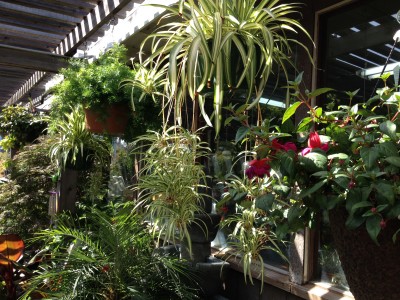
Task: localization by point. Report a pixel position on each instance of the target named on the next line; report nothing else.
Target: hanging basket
(113, 120)
(371, 270)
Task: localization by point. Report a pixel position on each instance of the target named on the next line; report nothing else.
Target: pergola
(36, 37)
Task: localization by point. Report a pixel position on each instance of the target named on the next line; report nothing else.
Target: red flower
(258, 168)
(285, 147)
(105, 268)
(314, 142)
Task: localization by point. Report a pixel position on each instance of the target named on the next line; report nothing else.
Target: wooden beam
(74, 3)
(99, 16)
(31, 59)
(26, 32)
(37, 12)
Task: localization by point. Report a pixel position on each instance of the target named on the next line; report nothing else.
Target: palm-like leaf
(227, 44)
(107, 255)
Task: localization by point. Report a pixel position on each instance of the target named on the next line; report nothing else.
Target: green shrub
(24, 199)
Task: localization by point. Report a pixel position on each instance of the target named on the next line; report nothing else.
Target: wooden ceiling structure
(37, 37)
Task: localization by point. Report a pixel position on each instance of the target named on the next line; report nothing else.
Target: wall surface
(237, 289)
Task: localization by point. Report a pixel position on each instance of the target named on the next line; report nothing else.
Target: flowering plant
(346, 157)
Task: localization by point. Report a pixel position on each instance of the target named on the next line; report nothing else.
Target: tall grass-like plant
(219, 46)
(107, 255)
(170, 181)
(75, 143)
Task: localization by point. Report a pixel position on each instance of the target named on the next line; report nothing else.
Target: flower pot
(371, 270)
(202, 233)
(113, 120)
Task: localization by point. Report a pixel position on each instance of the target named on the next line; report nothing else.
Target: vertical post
(67, 187)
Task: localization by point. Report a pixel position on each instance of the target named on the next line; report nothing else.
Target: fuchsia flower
(258, 168)
(285, 147)
(314, 142)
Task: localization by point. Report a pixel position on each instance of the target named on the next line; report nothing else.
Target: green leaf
(299, 78)
(354, 222)
(393, 160)
(305, 124)
(241, 133)
(281, 190)
(315, 161)
(313, 189)
(320, 91)
(361, 204)
(389, 128)
(265, 202)
(294, 213)
(326, 202)
(369, 156)
(287, 164)
(387, 149)
(385, 190)
(343, 156)
(240, 196)
(373, 227)
(290, 111)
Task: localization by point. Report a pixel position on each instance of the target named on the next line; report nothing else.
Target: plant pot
(371, 270)
(113, 120)
(202, 233)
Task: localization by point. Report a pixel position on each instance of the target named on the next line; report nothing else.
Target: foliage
(107, 254)
(218, 47)
(24, 198)
(74, 143)
(96, 85)
(19, 125)
(351, 161)
(170, 180)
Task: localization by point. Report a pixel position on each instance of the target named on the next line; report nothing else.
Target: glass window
(354, 45)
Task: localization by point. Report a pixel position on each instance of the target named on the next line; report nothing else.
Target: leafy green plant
(170, 179)
(98, 84)
(75, 144)
(107, 254)
(19, 126)
(222, 46)
(24, 197)
(352, 161)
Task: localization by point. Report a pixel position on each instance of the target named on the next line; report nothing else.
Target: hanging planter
(113, 120)
(367, 266)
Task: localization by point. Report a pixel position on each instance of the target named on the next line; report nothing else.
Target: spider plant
(225, 45)
(75, 143)
(248, 239)
(107, 254)
(170, 181)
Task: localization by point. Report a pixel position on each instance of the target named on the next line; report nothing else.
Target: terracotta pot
(112, 121)
(371, 270)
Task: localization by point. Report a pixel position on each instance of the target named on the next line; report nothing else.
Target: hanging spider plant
(219, 46)
(170, 181)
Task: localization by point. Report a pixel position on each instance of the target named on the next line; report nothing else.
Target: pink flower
(258, 168)
(285, 147)
(314, 142)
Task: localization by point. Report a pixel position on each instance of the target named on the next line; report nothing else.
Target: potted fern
(96, 86)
